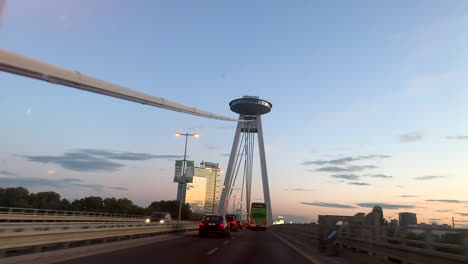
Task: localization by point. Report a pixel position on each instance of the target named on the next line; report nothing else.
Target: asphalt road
(242, 247)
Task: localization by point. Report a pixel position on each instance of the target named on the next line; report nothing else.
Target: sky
(368, 100)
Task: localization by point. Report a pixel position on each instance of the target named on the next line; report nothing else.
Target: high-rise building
(203, 192)
(407, 219)
(211, 172)
(196, 194)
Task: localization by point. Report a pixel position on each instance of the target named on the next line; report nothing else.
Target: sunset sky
(369, 100)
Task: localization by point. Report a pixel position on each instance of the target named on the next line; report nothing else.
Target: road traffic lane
(244, 246)
(257, 247)
(186, 249)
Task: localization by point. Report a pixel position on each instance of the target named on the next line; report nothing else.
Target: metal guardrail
(54, 226)
(403, 245)
(31, 214)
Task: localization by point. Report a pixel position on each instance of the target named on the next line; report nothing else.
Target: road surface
(243, 247)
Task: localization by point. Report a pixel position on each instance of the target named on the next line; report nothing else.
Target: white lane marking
(302, 253)
(225, 243)
(212, 251)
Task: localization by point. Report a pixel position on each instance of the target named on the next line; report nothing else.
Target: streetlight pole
(183, 184)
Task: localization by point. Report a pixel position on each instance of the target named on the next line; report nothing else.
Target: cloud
(7, 173)
(332, 169)
(400, 186)
(345, 160)
(408, 196)
(386, 206)
(346, 169)
(361, 167)
(119, 188)
(78, 162)
(299, 190)
(333, 205)
(463, 214)
(345, 176)
(95, 160)
(126, 155)
(410, 137)
(426, 178)
(444, 211)
(457, 137)
(55, 183)
(447, 201)
(359, 183)
(434, 219)
(380, 176)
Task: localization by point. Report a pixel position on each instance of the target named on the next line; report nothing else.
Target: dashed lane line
(212, 251)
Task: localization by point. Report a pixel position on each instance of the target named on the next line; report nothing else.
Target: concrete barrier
(19, 240)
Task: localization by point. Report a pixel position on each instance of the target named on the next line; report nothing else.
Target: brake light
(240, 224)
(265, 223)
(221, 225)
(251, 221)
(233, 222)
(202, 224)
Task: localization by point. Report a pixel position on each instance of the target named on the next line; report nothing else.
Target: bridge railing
(400, 245)
(57, 226)
(32, 214)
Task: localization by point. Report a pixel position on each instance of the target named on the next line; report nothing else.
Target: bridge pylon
(250, 110)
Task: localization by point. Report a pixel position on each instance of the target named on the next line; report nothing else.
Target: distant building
(196, 194)
(211, 172)
(434, 225)
(375, 218)
(407, 219)
(394, 222)
(203, 193)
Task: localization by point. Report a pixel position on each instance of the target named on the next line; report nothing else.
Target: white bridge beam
(28, 67)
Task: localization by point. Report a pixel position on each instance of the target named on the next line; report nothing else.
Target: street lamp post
(183, 183)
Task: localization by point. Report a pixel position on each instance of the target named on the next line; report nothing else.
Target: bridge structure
(250, 110)
(37, 233)
(249, 122)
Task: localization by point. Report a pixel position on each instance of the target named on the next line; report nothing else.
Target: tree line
(20, 197)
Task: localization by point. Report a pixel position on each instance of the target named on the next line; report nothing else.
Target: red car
(232, 222)
(214, 224)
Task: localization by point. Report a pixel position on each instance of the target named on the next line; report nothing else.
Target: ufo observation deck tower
(250, 110)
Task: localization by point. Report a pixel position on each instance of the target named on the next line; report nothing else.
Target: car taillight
(240, 224)
(265, 223)
(202, 224)
(233, 222)
(251, 221)
(221, 225)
